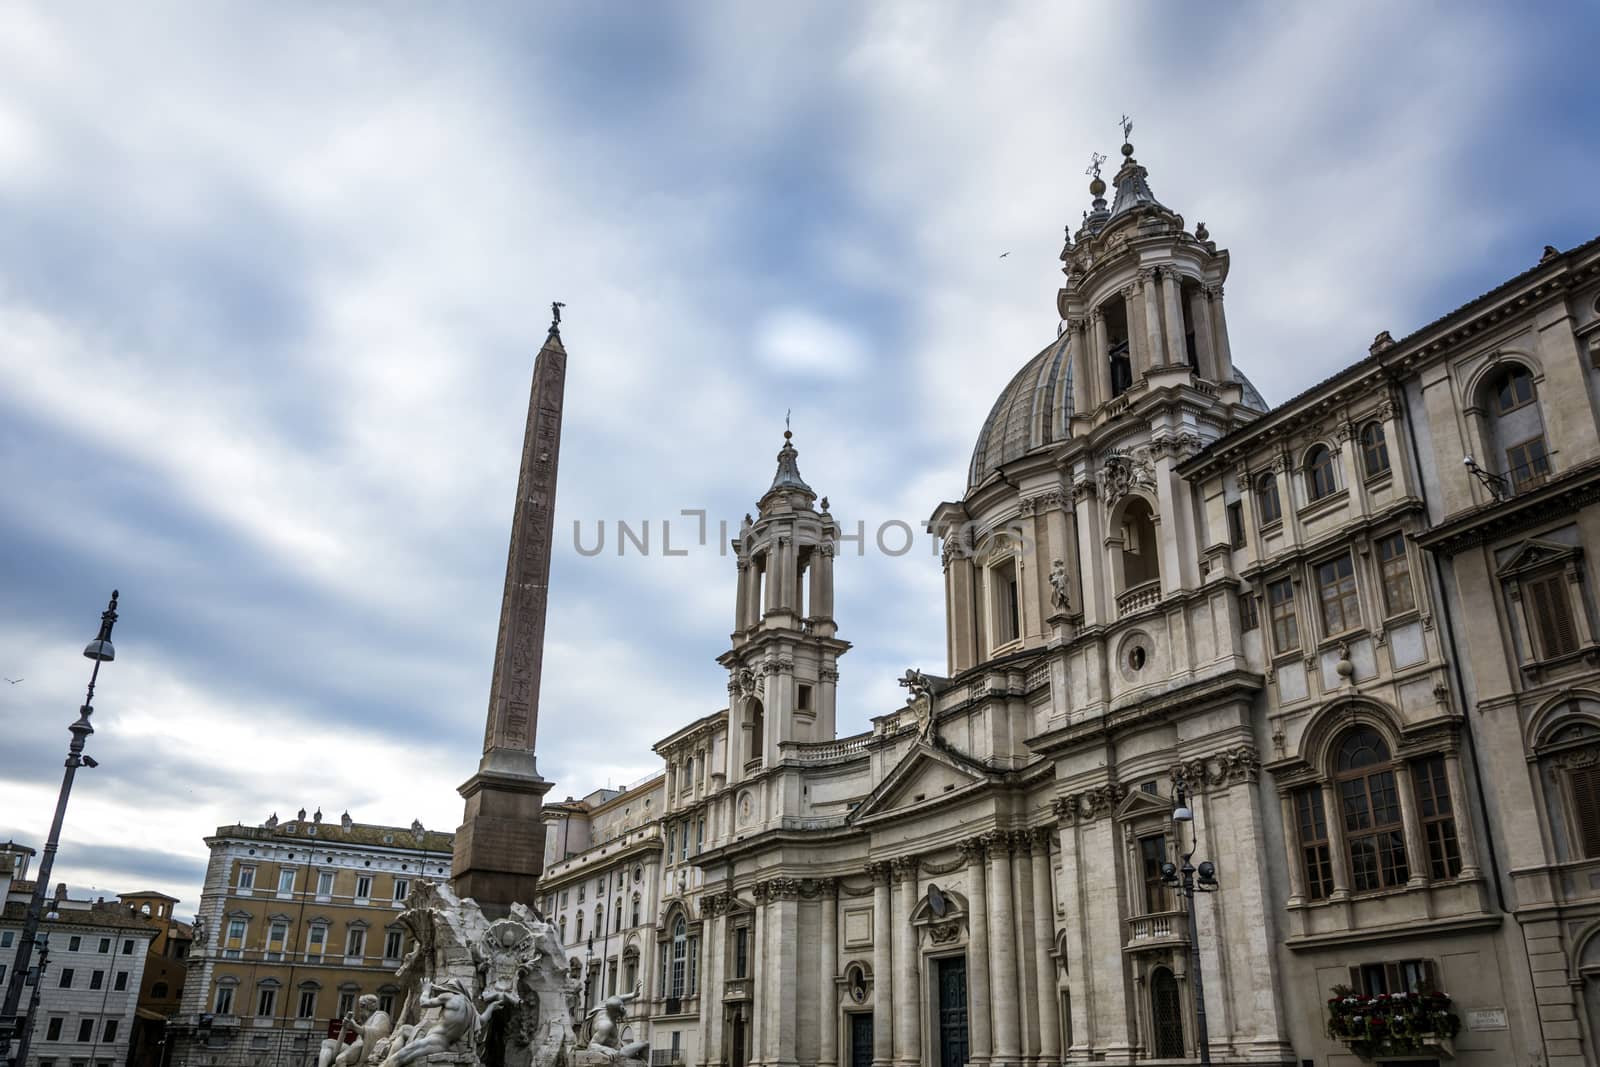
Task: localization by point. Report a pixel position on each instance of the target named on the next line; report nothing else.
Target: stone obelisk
(499, 848)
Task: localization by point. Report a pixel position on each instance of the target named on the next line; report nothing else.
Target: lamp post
(100, 651)
(1189, 880)
(33, 998)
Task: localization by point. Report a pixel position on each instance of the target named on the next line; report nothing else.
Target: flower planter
(1394, 1024)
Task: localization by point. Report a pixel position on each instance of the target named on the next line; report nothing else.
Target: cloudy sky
(272, 277)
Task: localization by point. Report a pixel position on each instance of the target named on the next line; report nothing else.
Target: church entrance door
(861, 1039)
(952, 978)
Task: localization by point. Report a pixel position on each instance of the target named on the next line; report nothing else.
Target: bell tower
(783, 666)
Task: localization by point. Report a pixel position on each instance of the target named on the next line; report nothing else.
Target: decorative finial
(555, 315)
(1201, 233)
(787, 434)
(1127, 127)
(1097, 187)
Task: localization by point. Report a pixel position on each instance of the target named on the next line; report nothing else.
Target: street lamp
(100, 651)
(1189, 880)
(33, 998)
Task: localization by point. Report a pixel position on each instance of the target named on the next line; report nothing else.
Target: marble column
(783, 924)
(907, 983)
(979, 997)
(772, 569)
(758, 967)
(1101, 357)
(1082, 379)
(1219, 335)
(1463, 815)
(741, 598)
(1177, 349)
(1200, 315)
(1150, 281)
(882, 968)
(827, 976)
(1044, 935)
(1022, 937)
(1291, 836)
(712, 946)
(1336, 849)
(1002, 954)
(1416, 849)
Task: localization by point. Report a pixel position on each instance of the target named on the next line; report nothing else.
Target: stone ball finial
(1127, 149)
(1380, 342)
(1097, 188)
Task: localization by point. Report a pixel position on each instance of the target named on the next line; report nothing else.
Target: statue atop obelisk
(499, 848)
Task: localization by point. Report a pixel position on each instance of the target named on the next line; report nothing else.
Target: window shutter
(1553, 615)
(1585, 782)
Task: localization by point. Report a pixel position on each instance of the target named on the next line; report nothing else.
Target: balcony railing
(1143, 595)
(666, 1057)
(1158, 929)
(823, 751)
(752, 765)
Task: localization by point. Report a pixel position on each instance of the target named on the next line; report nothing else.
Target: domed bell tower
(1143, 298)
(783, 667)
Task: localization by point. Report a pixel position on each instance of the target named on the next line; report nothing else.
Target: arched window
(757, 736)
(1268, 506)
(680, 956)
(1374, 450)
(578, 928)
(1319, 473)
(1140, 549)
(1369, 799)
(562, 925)
(1515, 429)
(1166, 1014)
(616, 917)
(599, 921)
(636, 919)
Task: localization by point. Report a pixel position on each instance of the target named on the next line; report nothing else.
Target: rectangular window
(1527, 464)
(741, 952)
(355, 942)
(308, 1003)
(318, 942)
(1249, 613)
(1152, 854)
(684, 855)
(105, 944)
(121, 982)
(1585, 785)
(109, 1032)
(402, 888)
(1005, 602)
(85, 1029)
(1374, 834)
(386, 1003)
(393, 942)
(1395, 567)
(97, 979)
(225, 1000)
(286, 880)
(6, 936)
(127, 947)
(52, 1032)
(563, 898)
(1336, 586)
(1550, 614)
(74, 943)
(1399, 976)
(66, 978)
(805, 698)
(1316, 861)
(1280, 605)
(1236, 524)
(347, 1003)
(247, 877)
(324, 883)
(266, 1001)
(363, 889)
(1438, 817)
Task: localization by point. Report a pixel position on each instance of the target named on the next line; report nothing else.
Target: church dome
(1035, 408)
(1032, 412)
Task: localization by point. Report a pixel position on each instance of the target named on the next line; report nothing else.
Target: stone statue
(370, 1025)
(605, 1030)
(1060, 586)
(198, 931)
(458, 1017)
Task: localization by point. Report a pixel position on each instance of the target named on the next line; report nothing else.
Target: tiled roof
(16, 912)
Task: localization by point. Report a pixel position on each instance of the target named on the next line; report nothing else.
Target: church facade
(1358, 630)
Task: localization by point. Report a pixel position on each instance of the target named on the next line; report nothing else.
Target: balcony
(751, 766)
(1144, 595)
(1162, 929)
(666, 1057)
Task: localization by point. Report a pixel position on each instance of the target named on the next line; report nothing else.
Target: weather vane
(1095, 161)
(786, 427)
(1127, 128)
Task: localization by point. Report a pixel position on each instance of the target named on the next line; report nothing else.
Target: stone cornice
(1559, 497)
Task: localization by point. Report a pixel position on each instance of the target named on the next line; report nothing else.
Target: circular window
(1137, 653)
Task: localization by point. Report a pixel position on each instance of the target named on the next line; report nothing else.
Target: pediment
(924, 775)
(1534, 553)
(1138, 804)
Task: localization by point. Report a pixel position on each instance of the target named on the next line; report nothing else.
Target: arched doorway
(1166, 1014)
